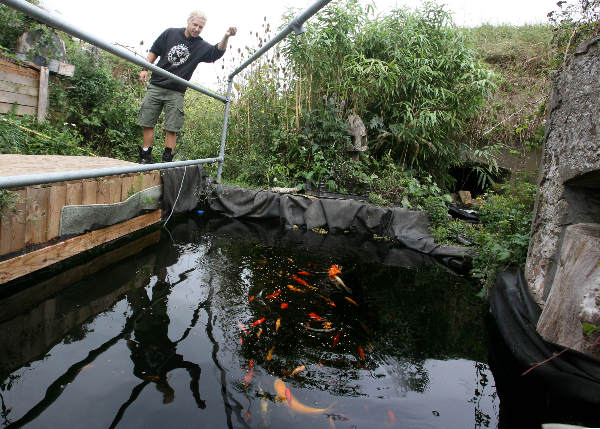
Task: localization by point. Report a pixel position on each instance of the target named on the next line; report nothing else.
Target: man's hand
(143, 76)
(231, 31)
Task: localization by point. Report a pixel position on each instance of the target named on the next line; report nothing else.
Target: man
(180, 50)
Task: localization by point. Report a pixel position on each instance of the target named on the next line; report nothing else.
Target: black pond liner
(565, 389)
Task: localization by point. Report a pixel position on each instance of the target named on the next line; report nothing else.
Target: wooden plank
(37, 215)
(90, 189)
(57, 199)
(115, 189)
(19, 89)
(20, 99)
(42, 102)
(21, 110)
(17, 78)
(12, 226)
(74, 193)
(103, 192)
(33, 261)
(14, 304)
(127, 188)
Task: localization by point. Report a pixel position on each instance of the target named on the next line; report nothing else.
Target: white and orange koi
(286, 396)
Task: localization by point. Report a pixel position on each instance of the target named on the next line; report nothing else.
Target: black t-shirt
(180, 55)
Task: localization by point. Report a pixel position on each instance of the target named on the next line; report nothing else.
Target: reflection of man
(180, 51)
(153, 353)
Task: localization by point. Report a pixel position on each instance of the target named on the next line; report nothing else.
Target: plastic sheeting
(566, 388)
(186, 188)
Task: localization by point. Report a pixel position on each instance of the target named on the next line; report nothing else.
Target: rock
(465, 197)
(575, 293)
(569, 180)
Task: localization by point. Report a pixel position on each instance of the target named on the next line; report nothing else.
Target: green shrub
(504, 238)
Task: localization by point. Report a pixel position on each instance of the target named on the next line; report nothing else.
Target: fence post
(42, 106)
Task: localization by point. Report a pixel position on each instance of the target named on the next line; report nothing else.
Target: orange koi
(327, 326)
(367, 330)
(284, 305)
(315, 316)
(274, 294)
(247, 415)
(329, 301)
(299, 280)
(334, 270)
(251, 364)
(361, 352)
(351, 301)
(270, 353)
(336, 339)
(262, 261)
(295, 289)
(241, 341)
(258, 322)
(285, 394)
(290, 259)
(251, 298)
(277, 324)
(305, 273)
(243, 328)
(297, 370)
(248, 377)
(259, 333)
(391, 416)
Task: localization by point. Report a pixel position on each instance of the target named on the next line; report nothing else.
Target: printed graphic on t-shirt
(178, 54)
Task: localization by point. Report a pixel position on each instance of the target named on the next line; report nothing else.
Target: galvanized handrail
(35, 12)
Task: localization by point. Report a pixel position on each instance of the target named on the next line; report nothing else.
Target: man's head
(195, 23)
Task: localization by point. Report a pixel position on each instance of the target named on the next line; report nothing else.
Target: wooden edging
(33, 261)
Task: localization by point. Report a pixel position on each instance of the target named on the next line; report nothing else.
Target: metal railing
(41, 15)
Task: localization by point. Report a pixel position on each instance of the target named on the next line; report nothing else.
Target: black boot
(145, 156)
(167, 155)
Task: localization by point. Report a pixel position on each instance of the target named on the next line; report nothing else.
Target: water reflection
(217, 313)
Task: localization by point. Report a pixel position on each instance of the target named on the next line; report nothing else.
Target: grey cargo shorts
(157, 99)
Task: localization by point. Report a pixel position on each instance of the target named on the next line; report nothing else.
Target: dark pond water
(223, 324)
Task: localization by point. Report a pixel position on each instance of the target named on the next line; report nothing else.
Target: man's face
(195, 26)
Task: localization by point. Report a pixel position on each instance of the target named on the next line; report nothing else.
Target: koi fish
(243, 328)
(361, 352)
(251, 298)
(248, 377)
(284, 305)
(251, 364)
(339, 282)
(315, 316)
(152, 377)
(258, 322)
(259, 333)
(329, 301)
(247, 415)
(299, 280)
(290, 259)
(270, 353)
(336, 339)
(367, 330)
(327, 326)
(297, 370)
(295, 289)
(351, 301)
(305, 273)
(391, 416)
(241, 341)
(262, 261)
(286, 395)
(274, 294)
(277, 324)
(334, 270)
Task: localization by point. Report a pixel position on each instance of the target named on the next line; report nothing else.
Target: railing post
(224, 134)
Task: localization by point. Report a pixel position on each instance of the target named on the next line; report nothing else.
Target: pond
(229, 324)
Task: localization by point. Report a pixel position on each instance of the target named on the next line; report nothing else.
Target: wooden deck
(31, 216)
